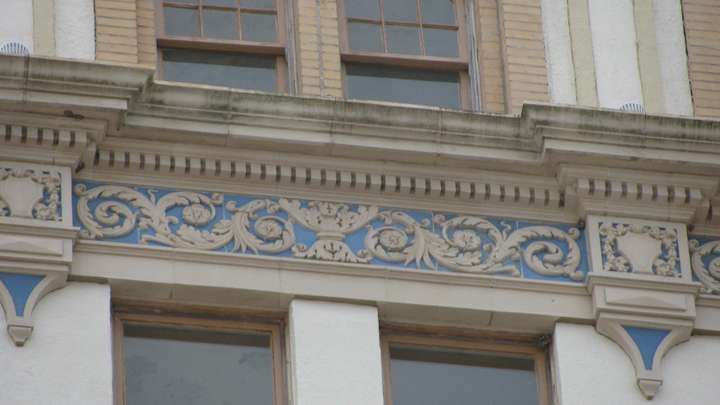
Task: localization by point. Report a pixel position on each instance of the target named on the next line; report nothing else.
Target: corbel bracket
(642, 290)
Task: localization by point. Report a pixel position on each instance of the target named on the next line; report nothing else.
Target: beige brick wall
(523, 48)
(702, 29)
(125, 31)
(318, 48)
(490, 56)
(116, 31)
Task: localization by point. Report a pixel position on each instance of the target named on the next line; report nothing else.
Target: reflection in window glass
(384, 83)
(404, 40)
(441, 42)
(220, 24)
(220, 69)
(258, 27)
(186, 366)
(181, 22)
(365, 37)
(438, 11)
(399, 10)
(431, 376)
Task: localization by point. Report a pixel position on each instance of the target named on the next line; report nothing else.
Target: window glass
(438, 11)
(258, 27)
(431, 376)
(399, 10)
(181, 22)
(220, 24)
(441, 42)
(414, 86)
(368, 9)
(403, 40)
(190, 366)
(226, 3)
(365, 37)
(244, 71)
(257, 4)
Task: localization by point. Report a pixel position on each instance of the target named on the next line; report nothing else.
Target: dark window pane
(424, 376)
(181, 22)
(226, 3)
(441, 42)
(258, 27)
(257, 4)
(399, 10)
(369, 9)
(220, 24)
(365, 37)
(182, 1)
(220, 69)
(376, 82)
(403, 39)
(184, 367)
(438, 11)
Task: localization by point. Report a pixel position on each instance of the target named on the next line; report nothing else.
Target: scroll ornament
(708, 274)
(29, 193)
(262, 226)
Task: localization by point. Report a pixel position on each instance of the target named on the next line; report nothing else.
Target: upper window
(187, 360)
(408, 51)
(236, 43)
(430, 371)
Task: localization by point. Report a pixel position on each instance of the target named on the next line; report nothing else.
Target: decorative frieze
(329, 231)
(27, 193)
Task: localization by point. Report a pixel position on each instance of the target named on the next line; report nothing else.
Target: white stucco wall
(16, 22)
(334, 354)
(612, 24)
(672, 56)
(75, 29)
(592, 370)
(68, 359)
(558, 48)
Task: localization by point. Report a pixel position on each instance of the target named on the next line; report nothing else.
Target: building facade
(359, 202)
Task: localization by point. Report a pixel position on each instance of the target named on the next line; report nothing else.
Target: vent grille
(14, 48)
(633, 107)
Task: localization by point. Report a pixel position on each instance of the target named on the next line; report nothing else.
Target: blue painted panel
(647, 340)
(20, 287)
(466, 244)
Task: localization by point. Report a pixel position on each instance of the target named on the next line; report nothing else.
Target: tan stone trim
(648, 60)
(703, 44)
(116, 31)
(582, 50)
(490, 57)
(318, 48)
(44, 27)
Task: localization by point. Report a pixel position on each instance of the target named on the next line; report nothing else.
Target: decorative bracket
(642, 290)
(36, 238)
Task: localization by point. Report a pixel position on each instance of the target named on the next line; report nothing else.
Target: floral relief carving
(474, 245)
(190, 220)
(705, 263)
(639, 248)
(28, 193)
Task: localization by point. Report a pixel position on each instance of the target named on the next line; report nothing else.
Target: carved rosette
(705, 264)
(30, 193)
(189, 220)
(639, 248)
(474, 245)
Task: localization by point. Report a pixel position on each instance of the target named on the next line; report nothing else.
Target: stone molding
(642, 290)
(36, 239)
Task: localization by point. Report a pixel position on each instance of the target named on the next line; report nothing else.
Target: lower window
(184, 360)
(423, 370)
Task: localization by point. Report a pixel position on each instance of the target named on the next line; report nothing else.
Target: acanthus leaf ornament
(708, 275)
(474, 245)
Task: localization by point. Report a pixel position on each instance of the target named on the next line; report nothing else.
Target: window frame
(493, 343)
(239, 46)
(210, 319)
(461, 64)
